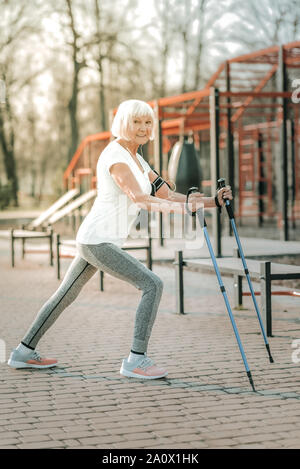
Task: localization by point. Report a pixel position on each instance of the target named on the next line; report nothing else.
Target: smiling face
(140, 129)
(134, 122)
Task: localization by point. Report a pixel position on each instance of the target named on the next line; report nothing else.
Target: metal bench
(264, 271)
(23, 235)
(53, 216)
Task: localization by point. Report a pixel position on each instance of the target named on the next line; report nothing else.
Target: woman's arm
(165, 192)
(125, 179)
(209, 202)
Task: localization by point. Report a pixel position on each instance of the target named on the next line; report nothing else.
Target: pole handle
(221, 184)
(189, 192)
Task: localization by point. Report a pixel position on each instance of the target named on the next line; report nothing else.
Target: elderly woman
(125, 183)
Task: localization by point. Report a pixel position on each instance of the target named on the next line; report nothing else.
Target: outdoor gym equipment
(221, 183)
(203, 225)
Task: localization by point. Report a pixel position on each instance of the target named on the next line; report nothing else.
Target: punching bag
(184, 168)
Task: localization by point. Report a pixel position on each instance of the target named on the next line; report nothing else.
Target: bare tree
(78, 64)
(33, 163)
(164, 12)
(7, 140)
(199, 32)
(100, 59)
(256, 25)
(202, 25)
(184, 30)
(189, 33)
(16, 26)
(113, 53)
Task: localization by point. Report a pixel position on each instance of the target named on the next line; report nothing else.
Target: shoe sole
(14, 364)
(130, 374)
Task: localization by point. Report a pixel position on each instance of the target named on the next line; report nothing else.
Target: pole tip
(269, 353)
(251, 380)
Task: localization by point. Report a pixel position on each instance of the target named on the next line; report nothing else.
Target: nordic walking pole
(203, 225)
(221, 183)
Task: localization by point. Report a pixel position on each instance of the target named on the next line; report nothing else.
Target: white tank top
(113, 212)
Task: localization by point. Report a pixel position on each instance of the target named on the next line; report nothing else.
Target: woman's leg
(117, 262)
(77, 275)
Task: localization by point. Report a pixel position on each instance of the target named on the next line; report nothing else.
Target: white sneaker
(144, 368)
(33, 360)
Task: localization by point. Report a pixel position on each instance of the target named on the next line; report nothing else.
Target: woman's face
(140, 129)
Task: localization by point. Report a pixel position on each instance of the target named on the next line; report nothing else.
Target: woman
(124, 186)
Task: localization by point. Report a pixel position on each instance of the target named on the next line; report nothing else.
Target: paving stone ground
(205, 401)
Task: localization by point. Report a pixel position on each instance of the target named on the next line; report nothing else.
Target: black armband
(157, 183)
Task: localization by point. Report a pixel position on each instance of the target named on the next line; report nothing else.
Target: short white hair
(127, 110)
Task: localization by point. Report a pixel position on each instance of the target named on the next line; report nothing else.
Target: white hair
(127, 110)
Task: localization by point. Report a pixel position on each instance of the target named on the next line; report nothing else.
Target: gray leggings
(117, 262)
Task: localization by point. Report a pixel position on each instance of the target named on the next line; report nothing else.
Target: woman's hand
(196, 201)
(196, 197)
(224, 193)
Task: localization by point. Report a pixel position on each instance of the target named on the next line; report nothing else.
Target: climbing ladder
(255, 171)
(296, 166)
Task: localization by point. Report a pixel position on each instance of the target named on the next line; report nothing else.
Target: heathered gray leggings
(117, 262)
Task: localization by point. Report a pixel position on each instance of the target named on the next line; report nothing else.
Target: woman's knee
(157, 282)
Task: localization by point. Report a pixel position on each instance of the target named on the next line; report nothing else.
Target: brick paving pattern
(206, 400)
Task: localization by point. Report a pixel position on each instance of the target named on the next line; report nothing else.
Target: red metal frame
(278, 293)
(296, 204)
(189, 113)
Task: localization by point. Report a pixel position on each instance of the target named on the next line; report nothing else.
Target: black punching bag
(188, 168)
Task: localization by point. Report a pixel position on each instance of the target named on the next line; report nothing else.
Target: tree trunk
(73, 101)
(102, 95)
(33, 179)
(73, 114)
(197, 77)
(43, 171)
(7, 145)
(185, 62)
(101, 71)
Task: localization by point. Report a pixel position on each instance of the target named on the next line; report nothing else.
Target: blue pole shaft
(231, 216)
(225, 298)
(249, 280)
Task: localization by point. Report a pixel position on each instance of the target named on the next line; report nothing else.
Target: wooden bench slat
(30, 234)
(127, 245)
(235, 266)
(284, 269)
(227, 265)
